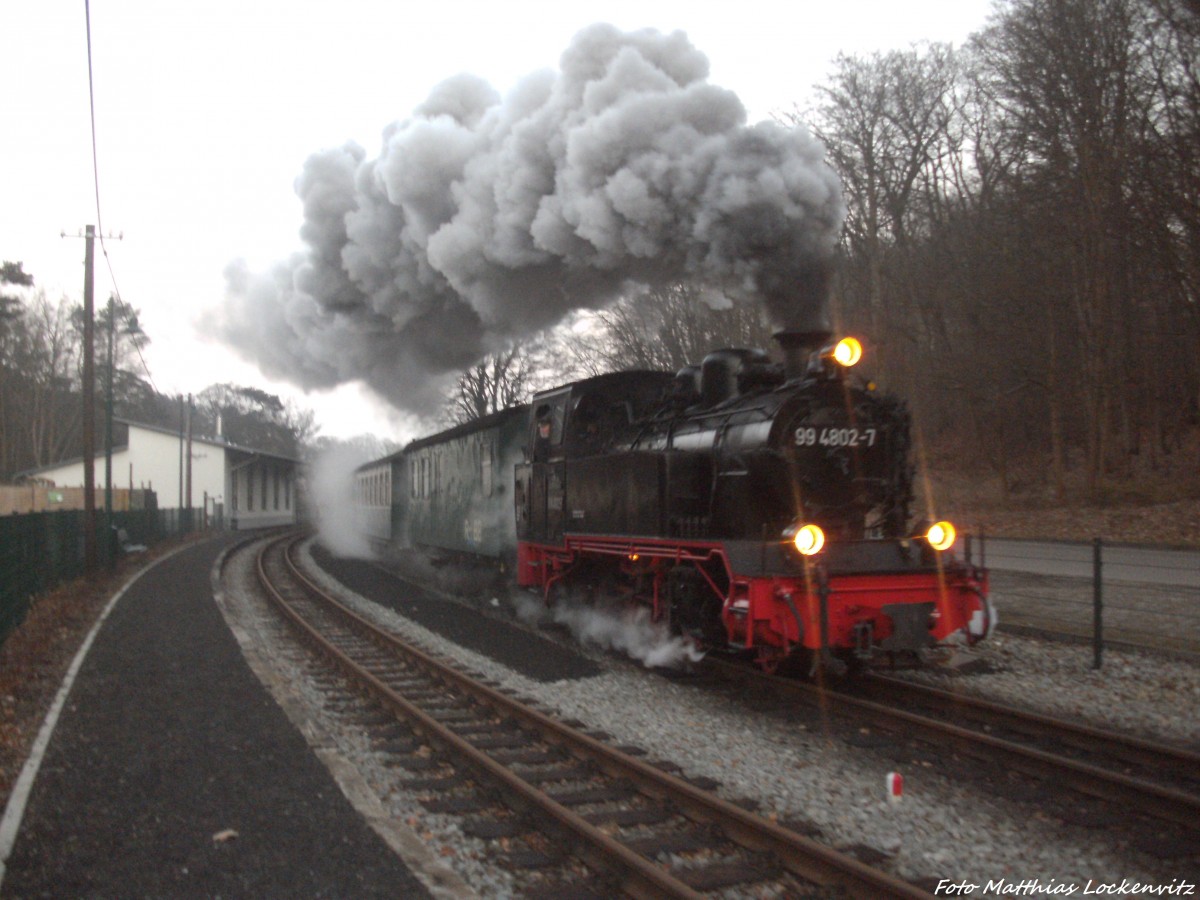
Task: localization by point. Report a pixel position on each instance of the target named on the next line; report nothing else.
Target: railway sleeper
(469, 803)
(573, 889)
(398, 744)
(688, 840)
(492, 829)
(613, 793)
(491, 726)
(626, 818)
(561, 772)
(529, 756)
(447, 714)
(419, 763)
(435, 784)
(502, 741)
(728, 874)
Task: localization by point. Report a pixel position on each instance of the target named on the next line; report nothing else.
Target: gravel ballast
(942, 828)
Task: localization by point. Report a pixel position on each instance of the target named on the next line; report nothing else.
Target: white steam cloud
(612, 626)
(485, 219)
(331, 487)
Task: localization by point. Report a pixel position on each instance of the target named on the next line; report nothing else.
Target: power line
(87, 12)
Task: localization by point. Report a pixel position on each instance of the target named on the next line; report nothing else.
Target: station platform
(171, 772)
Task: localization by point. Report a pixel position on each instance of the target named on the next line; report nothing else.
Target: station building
(236, 487)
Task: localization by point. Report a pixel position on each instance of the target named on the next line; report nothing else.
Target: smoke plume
(331, 482)
(485, 219)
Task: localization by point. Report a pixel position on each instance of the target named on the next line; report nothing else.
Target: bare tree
(12, 275)
(886, 122)
(1072, 77)
(496, 382)
(53, 412)
(256, 418)
(666, 329)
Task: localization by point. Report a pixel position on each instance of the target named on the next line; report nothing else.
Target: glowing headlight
(847, 352)
(941, 536)
(808, 539)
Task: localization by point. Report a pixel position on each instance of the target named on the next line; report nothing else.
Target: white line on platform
(15, 811)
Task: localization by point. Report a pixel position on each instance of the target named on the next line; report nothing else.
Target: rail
(642, 876)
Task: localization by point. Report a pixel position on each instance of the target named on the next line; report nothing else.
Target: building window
(249, 490)
(275, 485)
(263, 489)
(287, 490)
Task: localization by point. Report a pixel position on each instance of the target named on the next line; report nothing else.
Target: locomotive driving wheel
(693, 608)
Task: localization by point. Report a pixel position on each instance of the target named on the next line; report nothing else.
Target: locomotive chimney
(799, 305)
(798, 341)
(798, 346)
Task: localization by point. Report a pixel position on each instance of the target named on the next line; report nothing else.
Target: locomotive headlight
(847, 352)
(941, 536)
(807, 539)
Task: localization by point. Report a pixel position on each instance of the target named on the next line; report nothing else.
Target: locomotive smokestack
(797, 346)
(802, 316)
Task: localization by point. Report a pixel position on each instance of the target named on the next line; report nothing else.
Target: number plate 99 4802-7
(809, 436)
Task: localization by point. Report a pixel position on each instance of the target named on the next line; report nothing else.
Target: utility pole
(89, 404)
(88, 391)
(109, 536)
(89, 398)
(181, 424)
(189, 459)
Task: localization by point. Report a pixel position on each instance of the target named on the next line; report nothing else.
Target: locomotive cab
(578, 442)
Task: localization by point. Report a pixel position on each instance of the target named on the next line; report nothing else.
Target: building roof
(196, 439)
(211, 441)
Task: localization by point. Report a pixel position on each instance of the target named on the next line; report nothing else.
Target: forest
(41, 378)
(1022, 246)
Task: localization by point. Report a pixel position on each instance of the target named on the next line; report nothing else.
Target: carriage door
(546, 488)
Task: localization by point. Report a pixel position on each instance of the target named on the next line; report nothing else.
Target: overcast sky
(206, 112)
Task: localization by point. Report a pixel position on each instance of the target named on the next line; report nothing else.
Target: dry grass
(1152, 502)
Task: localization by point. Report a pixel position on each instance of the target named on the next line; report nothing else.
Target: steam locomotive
(757, 508)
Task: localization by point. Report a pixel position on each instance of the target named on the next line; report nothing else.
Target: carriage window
(558, 409)
(548, 420)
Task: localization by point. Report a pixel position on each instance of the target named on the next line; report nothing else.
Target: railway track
(591, 817)
(1139, 781)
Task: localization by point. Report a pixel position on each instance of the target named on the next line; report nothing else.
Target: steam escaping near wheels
(485, 219)
(612, 626)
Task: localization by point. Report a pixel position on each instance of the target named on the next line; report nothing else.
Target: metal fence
(39, 551)
(1107, 594)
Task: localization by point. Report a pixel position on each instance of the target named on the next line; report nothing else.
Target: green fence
(39, 551)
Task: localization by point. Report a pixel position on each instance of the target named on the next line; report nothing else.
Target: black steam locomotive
(755, 507)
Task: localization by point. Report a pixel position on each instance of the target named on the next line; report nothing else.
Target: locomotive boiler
(755, 507)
